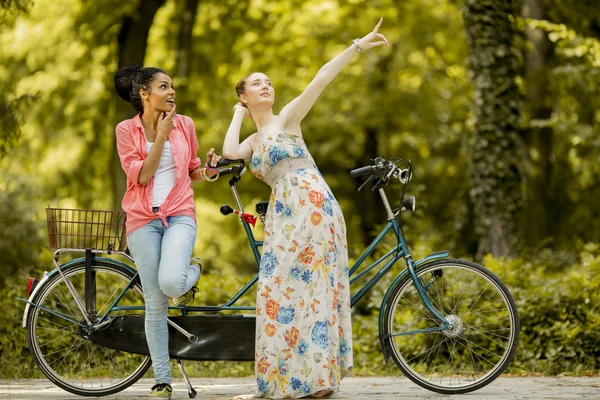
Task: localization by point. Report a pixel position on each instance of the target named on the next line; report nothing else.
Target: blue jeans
(162, 256)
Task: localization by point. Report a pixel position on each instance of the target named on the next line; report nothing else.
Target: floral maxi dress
(303, 325)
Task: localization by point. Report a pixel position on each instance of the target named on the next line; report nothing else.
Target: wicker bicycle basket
(86, 229)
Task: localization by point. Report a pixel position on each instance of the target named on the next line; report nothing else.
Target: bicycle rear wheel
(484, 335)
(59, 346)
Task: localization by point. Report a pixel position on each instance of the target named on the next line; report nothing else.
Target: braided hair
(132, 78)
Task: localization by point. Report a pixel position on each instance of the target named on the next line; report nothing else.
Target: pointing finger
(378, 25)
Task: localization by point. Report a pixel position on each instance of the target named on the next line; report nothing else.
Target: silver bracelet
(357, 47)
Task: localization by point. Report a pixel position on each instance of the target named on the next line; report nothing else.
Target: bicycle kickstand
(190, 388)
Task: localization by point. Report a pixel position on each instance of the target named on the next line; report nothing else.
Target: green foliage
(496, 148)
(559, 312)
(10, 121)
(20, 240)
(573, 89)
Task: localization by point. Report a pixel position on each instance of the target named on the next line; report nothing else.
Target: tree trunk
(496, 147)
(132, 40)
(369, 203)
(184, 41)
(539, 140)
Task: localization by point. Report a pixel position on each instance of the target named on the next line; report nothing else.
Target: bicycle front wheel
(60, 345)
(481, 342)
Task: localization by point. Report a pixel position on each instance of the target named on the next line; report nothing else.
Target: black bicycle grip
(224, 162)
(224, 171)
(362, 171)
(226, 209)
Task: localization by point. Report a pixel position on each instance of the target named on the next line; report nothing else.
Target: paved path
(381, 388)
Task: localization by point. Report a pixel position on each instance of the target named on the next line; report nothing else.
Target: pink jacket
(137, 202)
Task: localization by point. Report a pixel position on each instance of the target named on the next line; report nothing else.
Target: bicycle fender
(434, 256)
(33, 293)
(431, 257)
(48, 275)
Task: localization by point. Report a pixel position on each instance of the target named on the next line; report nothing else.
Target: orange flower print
(291, 337)
(316, 198)
(321, 382)
(302, 202)
(306, 256)
(270, 329)
(316, 218)
(263, 365)
(272, 309)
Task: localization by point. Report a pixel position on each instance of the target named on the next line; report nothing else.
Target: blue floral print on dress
(319, 334)
(278, 206)
(277, 154)
(288, 212)
(299, 151)
(307, 276)
(296, 383)
(286, 315)
(302, 348)
(268, 264)
(327, 207)
(306, 388)
(256, 162)
(295, 273)
(262, 385)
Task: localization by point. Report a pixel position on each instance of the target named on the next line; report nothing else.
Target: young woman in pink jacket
(158, 150)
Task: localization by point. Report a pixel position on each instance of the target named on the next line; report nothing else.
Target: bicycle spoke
(489, 332)
(114, 294)
(60, 302)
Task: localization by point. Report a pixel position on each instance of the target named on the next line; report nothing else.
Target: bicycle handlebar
(234, 170)
(225, 162)
(382, 170)
(362, 171)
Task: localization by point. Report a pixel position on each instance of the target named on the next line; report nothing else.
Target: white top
(165, 175)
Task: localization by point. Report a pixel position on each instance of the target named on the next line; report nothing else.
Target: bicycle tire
(469, 347)
(60, 357)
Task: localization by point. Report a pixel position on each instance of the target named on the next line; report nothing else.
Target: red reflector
(31, 284)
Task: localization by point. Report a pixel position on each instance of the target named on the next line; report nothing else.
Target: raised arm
(296, 110)
(232, 148)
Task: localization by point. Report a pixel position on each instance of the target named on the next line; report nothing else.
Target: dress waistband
(285, 166)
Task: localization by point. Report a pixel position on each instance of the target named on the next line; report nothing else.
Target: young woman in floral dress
(303, 327)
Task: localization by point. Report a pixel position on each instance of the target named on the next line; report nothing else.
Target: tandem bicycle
(451, 326)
